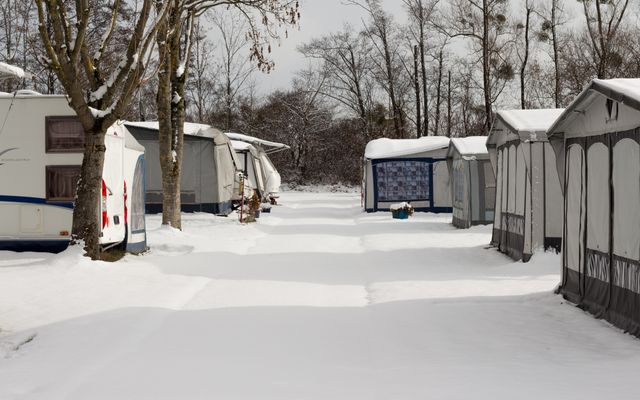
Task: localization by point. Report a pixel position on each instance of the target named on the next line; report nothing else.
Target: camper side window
(62, 182)
(64, 135)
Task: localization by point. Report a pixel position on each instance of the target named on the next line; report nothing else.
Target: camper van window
(61, 182)
(64, 135)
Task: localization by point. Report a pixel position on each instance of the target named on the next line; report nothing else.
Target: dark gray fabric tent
(597, 140)
(528, 211)
(208, 168)
(473, 183)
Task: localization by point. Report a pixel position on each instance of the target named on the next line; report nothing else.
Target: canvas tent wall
(598, 140)
(411, 170)
(41, 152)
(473, 184)
(528, 210)
(208, 168)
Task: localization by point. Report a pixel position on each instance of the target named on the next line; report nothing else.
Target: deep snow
(315, 301)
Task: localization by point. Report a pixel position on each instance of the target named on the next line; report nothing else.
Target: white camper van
(41, 151)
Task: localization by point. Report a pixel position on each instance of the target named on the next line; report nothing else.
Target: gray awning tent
(208, 168)
(528, 210)
(598, 137)
(407, 170)
(473, 184)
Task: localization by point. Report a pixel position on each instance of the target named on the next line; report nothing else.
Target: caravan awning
(190, 129)
(268, 146)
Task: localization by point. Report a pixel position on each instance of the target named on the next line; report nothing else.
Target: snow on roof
(622, 90)
(190, 128)
(471, 145)
(11, 71)
(532, 121)
(256, 141)
(629, 88)
(384, 147)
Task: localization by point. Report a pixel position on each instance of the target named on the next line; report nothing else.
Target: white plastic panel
(626, 195)
(598, 211)
(575, 203)
(511, 171)
(521, 180)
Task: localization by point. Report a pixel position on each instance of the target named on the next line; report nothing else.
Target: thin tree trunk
(523, 67)
(556, 55)
(436, 130)
(416, 83)
(449, 104)
(423, 66)
(397, 123)
(486, 68)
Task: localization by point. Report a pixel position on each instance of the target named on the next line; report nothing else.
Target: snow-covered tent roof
(190, 129)
(469, 146)
(272, 146)
(625, 91)
(528, 125)
(386, 148)
(11, 71)
(529, 121)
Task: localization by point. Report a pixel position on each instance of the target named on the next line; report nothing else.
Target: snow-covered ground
(316, 301)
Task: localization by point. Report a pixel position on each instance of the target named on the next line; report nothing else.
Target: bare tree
(201, 82)
(604, 19)
(525, 30)
(235, 71)
(380, 31)
(265, 19)
(421, 13)
(483, 23)
(77, 49)
(345, 57)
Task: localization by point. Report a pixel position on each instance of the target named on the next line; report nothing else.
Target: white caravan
(270, 175)
(41, 151)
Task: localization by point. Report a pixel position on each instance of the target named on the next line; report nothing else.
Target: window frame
(48, 184)
(47, 134)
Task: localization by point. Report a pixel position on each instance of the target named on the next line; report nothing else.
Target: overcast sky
(320, 17)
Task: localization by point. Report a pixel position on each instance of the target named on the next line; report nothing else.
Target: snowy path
(316, 301)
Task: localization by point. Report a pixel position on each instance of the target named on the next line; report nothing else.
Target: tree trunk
(397, 118)
(423, 66)
(556, 55)
(486, 68)
(449, 104)
(169, 156)
(436, 130)
(523, 68)
(86, 213)
(416, 85)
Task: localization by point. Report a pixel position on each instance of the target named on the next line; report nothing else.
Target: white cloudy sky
(321, 17)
